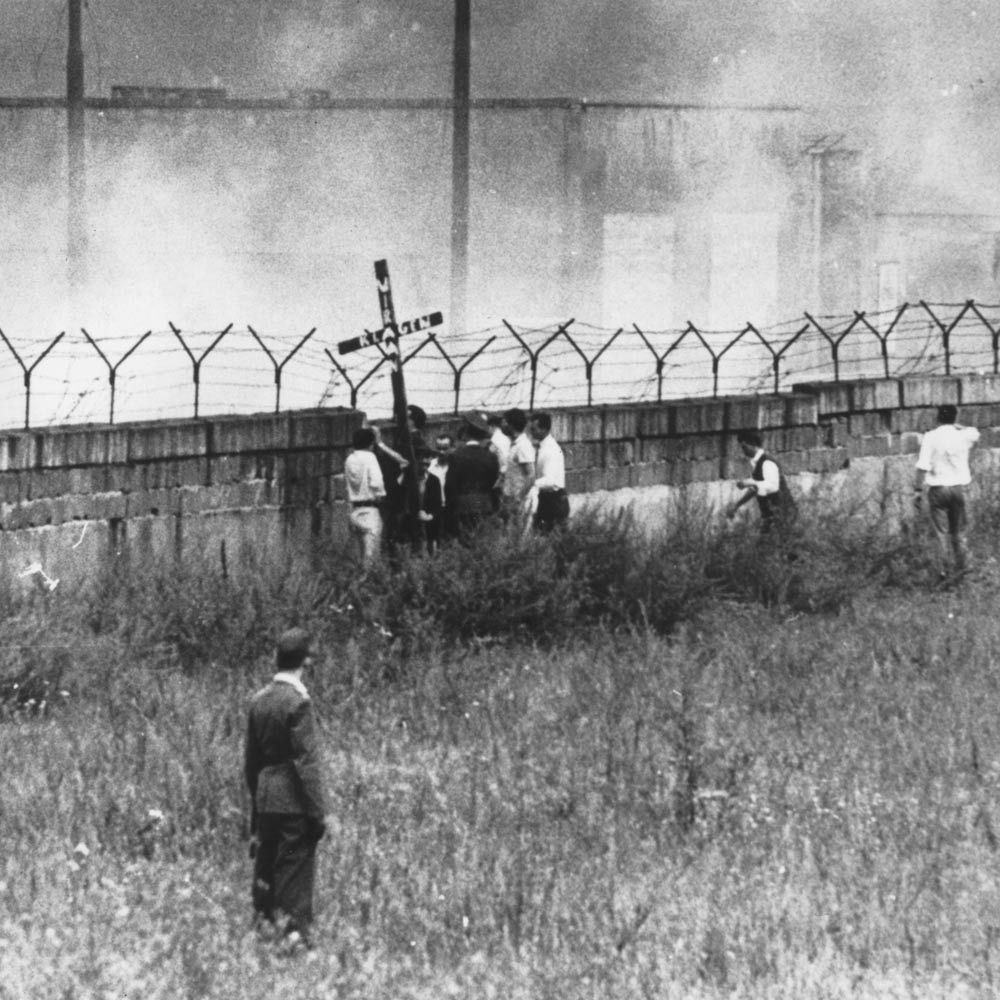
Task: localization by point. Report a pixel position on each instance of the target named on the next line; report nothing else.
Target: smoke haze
(208, 227)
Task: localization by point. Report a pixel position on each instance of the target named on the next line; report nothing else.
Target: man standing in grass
(943, 466)
(282, 768)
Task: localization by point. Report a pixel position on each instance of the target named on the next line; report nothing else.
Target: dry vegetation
(584, 770)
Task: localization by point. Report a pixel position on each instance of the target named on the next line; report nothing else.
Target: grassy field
(765, 786)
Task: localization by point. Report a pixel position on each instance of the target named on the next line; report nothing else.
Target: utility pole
(460, 165)
(76, 236)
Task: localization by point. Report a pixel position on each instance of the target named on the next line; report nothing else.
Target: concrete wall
(252, 489)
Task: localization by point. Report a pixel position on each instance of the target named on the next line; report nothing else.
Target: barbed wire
(86, 376)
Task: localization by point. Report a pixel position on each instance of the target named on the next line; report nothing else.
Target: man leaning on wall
(943, 467)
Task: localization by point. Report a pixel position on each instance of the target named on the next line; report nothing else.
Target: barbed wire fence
(87, 377)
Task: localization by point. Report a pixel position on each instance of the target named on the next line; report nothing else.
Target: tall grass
(599, 769)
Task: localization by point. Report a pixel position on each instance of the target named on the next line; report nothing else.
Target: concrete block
(129, 478)
(680, 473)
(303, 478)
(19, 451)
(622, 422)
(801, 409)
(874, 394)
(870, 422)
(117, 440)
(909, 443)
(13, 487)
(695, 447)
(47, 483)
(648, 474)
(562, 425)
(654, 421)
(184, 439)
(654, 449)
(108, 506)
(619, 453)
(918, 420)
(588, 424)
(259, 432)
(171, 473)
(89, 479)
(586, 481)
(799, 438)
(323, 428)
(583, 454)
(755, 412)
(872, 445)
(62, 447)
(35, 513)
(795, 462)
(828, 459)
(226, 496)
(978, 389)
(616, 478)
(153, 538)
(338, 491)
(989, 437)
(928, 390)
(702, 416)
(831, 397)
(153, 502)
(979, 415)
(834, 432)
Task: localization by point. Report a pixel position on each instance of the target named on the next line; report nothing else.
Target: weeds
(581, 766)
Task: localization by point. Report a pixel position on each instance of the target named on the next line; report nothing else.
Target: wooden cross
(389, 334)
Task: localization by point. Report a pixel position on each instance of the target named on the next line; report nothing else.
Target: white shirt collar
(756, 456)
(284, 677)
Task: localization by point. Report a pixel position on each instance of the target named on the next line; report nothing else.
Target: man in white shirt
(521, 461)
(766, 484)
(500, 446)
(943, 466)
(365, 492)
(549, 489)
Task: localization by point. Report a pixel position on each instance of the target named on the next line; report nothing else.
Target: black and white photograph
(499, 500)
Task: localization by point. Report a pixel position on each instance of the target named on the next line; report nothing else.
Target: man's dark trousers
(285, 869)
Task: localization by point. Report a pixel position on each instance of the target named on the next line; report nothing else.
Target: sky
(852, 52)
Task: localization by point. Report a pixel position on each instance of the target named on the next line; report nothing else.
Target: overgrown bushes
(510, 586)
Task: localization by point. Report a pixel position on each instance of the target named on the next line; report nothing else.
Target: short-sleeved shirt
(944, 455)
(363, 477)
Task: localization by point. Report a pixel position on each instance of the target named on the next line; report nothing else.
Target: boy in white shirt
(943, 466)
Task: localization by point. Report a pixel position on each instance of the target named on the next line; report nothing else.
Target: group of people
(497, 469)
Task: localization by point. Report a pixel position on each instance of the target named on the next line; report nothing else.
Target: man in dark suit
(472, 474)
(283, 772)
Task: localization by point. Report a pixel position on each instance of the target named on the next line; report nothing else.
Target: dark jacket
(432, 503)
(775, 508)
(472, 474)
(282, 760)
